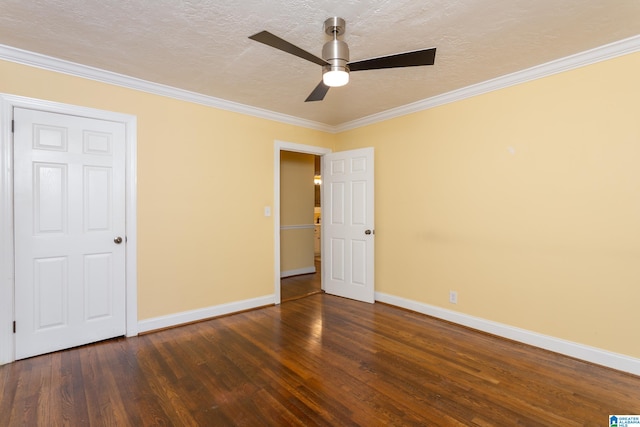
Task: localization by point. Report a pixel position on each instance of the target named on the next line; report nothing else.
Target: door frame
(280, 146)
(7, 253)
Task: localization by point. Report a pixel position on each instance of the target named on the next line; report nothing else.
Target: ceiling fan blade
(318, 93)
(407, 59)
(275, 41)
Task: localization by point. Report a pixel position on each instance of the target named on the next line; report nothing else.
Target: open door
(348, 225)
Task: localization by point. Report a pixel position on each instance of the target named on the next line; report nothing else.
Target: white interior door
(348, 225)
(69, 202)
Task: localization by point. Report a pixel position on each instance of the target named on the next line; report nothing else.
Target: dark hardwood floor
(295, 287)
(319, 360)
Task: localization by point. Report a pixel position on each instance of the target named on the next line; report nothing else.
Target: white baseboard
(568, 348)
(305, 270)
(203, 313)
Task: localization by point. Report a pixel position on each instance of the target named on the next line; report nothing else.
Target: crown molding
(609, 51)
(49, 63)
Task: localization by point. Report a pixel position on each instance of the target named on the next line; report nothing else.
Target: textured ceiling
(203, 46)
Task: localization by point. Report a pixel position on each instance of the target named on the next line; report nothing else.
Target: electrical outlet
(453, 297)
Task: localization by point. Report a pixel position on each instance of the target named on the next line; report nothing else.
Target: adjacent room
(454, 185)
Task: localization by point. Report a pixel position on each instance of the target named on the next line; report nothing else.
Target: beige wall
(204, 178)
(296, 209)
(525, 200)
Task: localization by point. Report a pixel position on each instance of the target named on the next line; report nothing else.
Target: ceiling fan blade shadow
(283, 45)
(318, 93)
(407, 59)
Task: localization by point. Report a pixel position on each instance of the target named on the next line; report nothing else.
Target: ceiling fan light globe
(335, 78)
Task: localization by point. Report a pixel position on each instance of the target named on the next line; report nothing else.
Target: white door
(69, 202)
(348, 233)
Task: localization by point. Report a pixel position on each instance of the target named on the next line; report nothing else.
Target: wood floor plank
(300, 286)
(319, 360)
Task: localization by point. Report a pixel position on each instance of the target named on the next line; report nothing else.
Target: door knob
(367, 232)
(118, 240)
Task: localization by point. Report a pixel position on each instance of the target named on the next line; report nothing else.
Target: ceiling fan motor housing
(335, 52)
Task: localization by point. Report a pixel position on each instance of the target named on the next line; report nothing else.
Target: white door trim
(278, 147)
(7, 256)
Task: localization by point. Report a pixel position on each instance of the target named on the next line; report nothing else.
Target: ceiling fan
(335, 57)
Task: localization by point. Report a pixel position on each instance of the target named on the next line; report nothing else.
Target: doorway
(313, 277)
(300, 225)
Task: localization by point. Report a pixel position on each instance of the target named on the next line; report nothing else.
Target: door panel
(50, 292)
(69, 201)
(348, 206)
(337, 257)
(50, 198)
(97, 281)
(97, 198)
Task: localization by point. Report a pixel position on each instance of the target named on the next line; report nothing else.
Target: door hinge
(14, 326)
(13, 126)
